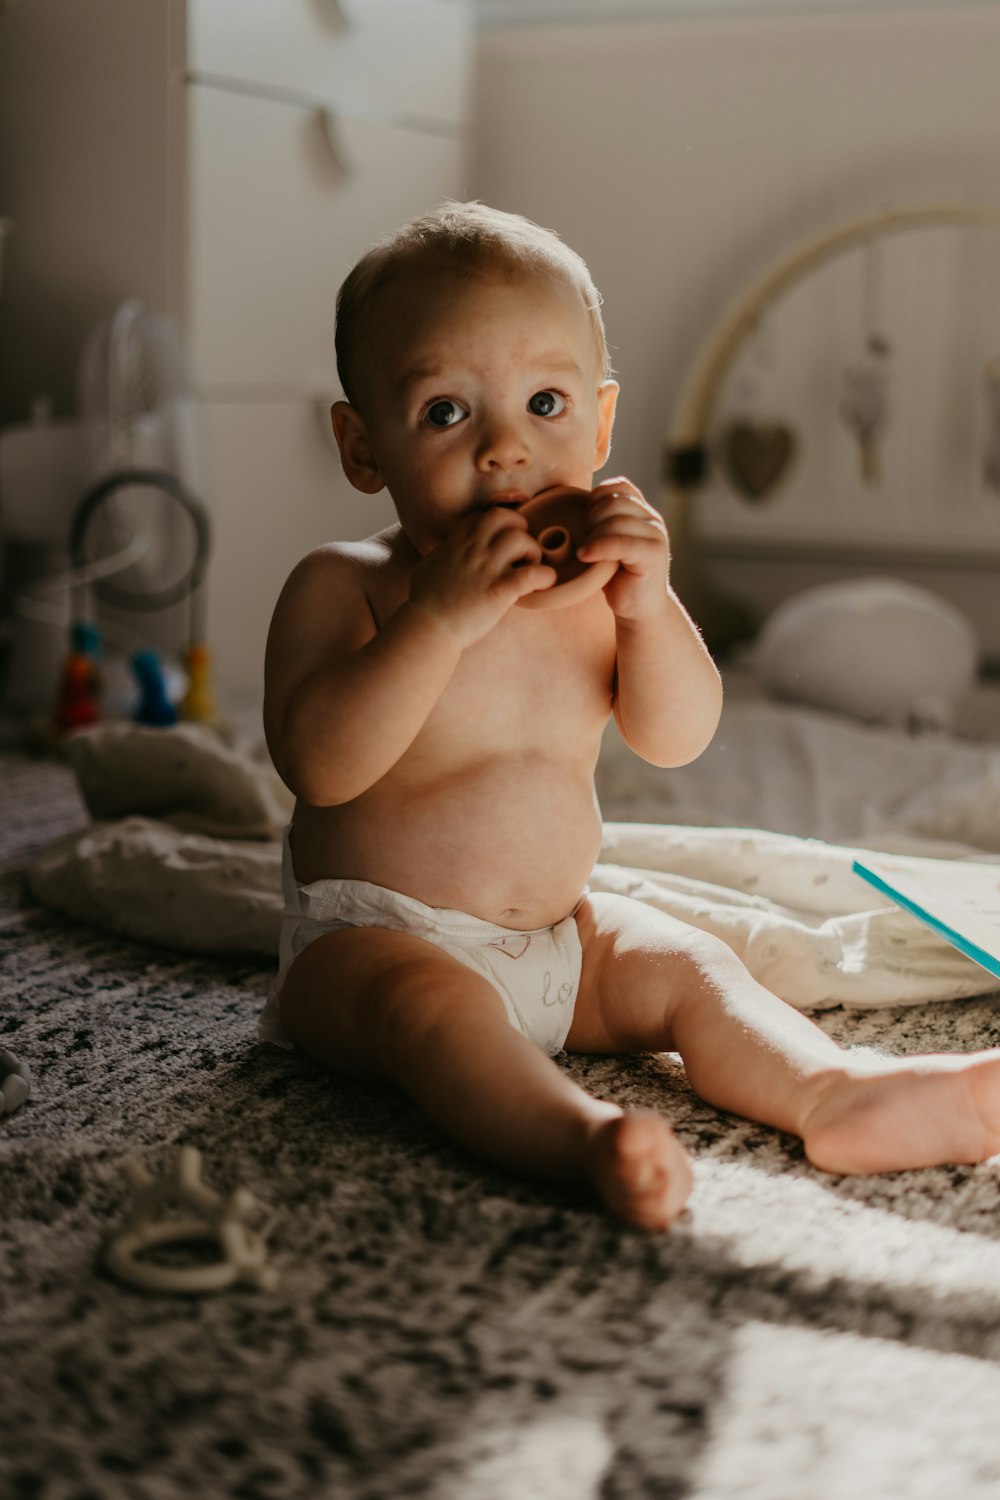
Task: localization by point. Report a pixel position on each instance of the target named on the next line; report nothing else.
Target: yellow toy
(199, 702)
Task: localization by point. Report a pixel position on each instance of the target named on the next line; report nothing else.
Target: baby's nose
(503, 446)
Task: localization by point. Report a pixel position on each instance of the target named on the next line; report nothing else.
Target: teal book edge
(972, 950)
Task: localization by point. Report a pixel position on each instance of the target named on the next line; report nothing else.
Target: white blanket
(798, 770)
(203, 875)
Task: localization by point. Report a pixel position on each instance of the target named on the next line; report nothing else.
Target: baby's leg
(652, 983)
(375, 1004)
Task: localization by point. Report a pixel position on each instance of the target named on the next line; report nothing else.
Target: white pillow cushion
(877, 648)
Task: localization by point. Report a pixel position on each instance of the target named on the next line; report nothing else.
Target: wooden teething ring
(557, 519)
(243, 1252)
(122, 1257)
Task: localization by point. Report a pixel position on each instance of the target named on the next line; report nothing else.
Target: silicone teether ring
(556, 545)
(557, 519)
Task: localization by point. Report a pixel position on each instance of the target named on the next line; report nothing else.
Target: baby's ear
(607, 400)
(356, 452)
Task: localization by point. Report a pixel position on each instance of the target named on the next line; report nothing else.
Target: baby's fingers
(624, 508)
(619, 540)
(529, 578)
(513, 547)
(620, 489)
(516, 556)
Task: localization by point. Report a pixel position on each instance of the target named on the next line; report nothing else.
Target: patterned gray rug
(439, 1329)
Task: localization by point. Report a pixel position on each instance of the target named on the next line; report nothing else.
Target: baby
(441, 743)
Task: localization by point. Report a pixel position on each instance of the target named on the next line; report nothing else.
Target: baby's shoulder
(352, 567)
(373, 552)
(335, 595)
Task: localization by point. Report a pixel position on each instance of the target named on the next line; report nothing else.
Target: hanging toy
(991, 458)
(757, 456)
(80, 682)
(198, 702)
(155, 707)
(756, 453)
(864, 405)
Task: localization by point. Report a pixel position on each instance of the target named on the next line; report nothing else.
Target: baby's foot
(915, 1112)
(640, 1169)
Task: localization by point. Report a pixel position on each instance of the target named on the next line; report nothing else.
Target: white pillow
(877, 648)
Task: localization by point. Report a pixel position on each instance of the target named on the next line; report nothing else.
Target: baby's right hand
(471, 580)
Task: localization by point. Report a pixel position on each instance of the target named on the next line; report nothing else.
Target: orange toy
(557, 519)
(78, 687)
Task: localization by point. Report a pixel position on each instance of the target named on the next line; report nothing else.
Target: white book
(959, 898)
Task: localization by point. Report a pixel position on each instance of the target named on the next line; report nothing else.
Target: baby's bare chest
(539, 681)
(531, 674)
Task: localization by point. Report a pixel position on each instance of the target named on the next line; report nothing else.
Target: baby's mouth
(512, 499)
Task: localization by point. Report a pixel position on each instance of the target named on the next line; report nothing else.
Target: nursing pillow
(876, 648)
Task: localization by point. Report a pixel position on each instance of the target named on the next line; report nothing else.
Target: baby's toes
(643, 1173)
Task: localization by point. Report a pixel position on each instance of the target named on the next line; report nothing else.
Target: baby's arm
(668, 693)
(343, 700)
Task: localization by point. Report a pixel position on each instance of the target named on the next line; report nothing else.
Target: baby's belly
(511, 844)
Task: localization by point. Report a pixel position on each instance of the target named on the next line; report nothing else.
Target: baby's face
(486, 389)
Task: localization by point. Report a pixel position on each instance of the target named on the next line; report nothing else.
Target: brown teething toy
(557, 519)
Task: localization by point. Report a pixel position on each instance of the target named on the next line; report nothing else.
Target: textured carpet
(439, 1329)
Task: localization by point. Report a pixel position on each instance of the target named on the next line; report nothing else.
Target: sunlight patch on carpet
(556, 1458)
(806, 1413)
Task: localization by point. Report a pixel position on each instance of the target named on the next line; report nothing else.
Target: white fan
(135, 400)
(145, 542)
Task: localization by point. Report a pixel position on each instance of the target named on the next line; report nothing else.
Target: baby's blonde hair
(473, 240)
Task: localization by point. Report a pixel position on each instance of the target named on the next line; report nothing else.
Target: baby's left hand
(625, 528)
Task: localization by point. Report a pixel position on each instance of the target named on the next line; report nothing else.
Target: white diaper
(536, 974)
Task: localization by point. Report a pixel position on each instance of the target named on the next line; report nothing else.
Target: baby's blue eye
(546, 404)
(445, 413)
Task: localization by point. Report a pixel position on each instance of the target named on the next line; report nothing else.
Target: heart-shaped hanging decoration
(756, 456)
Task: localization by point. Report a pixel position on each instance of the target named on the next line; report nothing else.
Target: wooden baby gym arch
(687, 459)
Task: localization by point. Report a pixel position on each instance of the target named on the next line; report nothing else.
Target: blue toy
(155, 707)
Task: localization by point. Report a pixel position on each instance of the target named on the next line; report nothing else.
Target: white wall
(89, 155)
(175, 151)
(681, 157)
